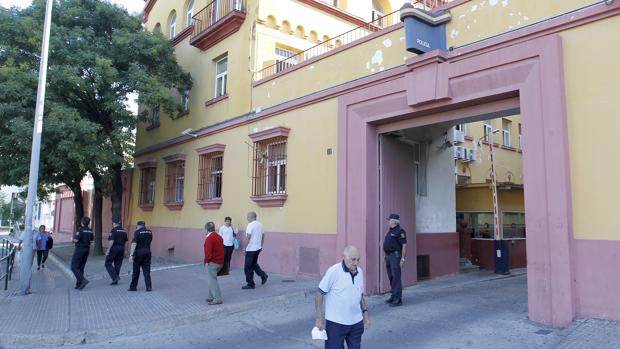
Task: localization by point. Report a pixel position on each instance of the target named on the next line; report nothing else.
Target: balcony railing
(353, 35)
(215, 15)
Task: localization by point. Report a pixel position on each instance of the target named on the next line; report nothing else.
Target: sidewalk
(56, 314)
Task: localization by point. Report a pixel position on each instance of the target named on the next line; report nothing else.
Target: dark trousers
(41, 257)
(142, 259)
(337, 334)
(78, 262)
(251, 266)
(228, 253)
(392, 263)
(115, 257)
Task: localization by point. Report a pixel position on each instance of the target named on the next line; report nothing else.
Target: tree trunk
(117, 193)
(78, 201)
(98, 213)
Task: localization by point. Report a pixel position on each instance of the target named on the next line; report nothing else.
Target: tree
(99, 54)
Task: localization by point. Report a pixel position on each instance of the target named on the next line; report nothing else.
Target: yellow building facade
(296, 101)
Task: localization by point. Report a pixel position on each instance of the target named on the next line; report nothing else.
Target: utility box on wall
(424, 31)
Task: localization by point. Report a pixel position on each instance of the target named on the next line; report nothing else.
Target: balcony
(379, 23)
(217, 21)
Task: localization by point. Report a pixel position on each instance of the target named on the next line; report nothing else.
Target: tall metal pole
(33, 181)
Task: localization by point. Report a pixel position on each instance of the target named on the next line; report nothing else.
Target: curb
(61, 266)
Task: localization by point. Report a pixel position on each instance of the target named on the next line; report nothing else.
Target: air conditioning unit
(458, 136)
(459, 153)
(470, 155)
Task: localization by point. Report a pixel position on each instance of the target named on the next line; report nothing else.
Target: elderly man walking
(395, 247)
(346, 313)
(256, 238)
(214, 260)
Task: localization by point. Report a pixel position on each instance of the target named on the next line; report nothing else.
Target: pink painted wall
(299, 254)
(443, 249)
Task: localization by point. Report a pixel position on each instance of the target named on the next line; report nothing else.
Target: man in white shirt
(346, 313)
(256, 238)
(228, 234)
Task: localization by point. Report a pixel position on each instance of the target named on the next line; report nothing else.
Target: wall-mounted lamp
(189, 132)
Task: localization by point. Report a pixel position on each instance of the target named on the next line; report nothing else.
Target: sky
(133, 6)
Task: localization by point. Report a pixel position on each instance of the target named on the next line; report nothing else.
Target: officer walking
(82, 239)
(141, 256)
(395, 247)
(116, 251)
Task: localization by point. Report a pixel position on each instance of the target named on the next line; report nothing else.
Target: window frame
(284, 58)
(189, 14)
(174, 186)
(506, 141)
(147, 185)
(172, 28)
(265, 159)
(222, 75)
(206, 160)
(487, 131)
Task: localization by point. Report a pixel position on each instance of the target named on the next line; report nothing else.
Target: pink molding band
(270, 200)
(213, 148)
(216, 99)
(175, 157)
(148, 164)
(270, 133)
(210, 204)
(174, 206)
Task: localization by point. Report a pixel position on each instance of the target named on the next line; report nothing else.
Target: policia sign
(424, 31)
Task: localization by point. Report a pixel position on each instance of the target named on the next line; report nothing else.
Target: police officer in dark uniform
(82, 239)
(116, 251)
(395, 247)
(141, 256)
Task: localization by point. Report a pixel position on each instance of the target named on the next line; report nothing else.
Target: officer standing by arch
(140, 255)
(116, 251)
(395, 248)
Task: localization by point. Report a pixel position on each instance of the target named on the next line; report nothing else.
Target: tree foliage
(99, 54)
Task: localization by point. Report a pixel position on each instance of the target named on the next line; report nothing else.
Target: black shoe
(148, 289)
(132, 289)
(83, 284)
(77, 286)
(396, 303)
(115, 282)
(248, 287)
(390, 300)
(263, 280)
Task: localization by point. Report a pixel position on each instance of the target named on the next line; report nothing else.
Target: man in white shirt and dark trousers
(346, 313)
(256, 238)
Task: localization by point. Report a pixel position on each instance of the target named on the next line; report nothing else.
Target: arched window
(189, 20)
(173, 25)
(157, 28)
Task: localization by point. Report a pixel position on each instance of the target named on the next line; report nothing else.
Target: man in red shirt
(214, 260)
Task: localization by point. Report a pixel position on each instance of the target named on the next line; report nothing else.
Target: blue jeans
(337, 334)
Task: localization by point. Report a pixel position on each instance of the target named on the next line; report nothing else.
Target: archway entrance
(437, 88)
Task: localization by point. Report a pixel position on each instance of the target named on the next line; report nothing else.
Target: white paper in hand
(318, 334)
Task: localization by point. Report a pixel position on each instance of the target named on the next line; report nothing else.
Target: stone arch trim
(440, 87)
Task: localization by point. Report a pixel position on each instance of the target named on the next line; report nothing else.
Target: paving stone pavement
(474, 310)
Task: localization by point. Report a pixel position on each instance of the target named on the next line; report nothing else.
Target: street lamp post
(33, 180)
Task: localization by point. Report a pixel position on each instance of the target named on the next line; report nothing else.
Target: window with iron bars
(285, 59)
(147, 186)
(175, 180)
(210, 173)
(269, 174)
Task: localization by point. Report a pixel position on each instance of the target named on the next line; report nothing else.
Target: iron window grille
(175, 181)
(147, 186)
(269, 170)
(210, 173)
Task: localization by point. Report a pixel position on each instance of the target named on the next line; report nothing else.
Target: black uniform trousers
(251, 266)
(392, 263)
(141, 259)
(78, 262)
(115, 257)
(42, 257)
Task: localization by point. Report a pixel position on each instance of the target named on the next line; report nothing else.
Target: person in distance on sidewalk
(256, 239)
(140, 256)
(116, 251)
(82, 239)
(214, 260)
